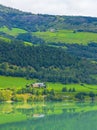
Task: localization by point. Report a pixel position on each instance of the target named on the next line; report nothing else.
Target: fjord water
(48, 116)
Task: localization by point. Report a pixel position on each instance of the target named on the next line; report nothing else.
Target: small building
(39, 85)
(52, 30)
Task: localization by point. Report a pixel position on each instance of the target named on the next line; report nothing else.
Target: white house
(39, 85)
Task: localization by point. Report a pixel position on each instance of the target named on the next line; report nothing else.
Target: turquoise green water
(48, 116)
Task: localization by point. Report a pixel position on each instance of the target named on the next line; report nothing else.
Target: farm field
(13, 82)
(17, 82)
(67, 36)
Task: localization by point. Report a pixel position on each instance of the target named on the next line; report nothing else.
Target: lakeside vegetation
(19, 90)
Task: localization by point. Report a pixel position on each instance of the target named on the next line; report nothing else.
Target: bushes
(64, 89)
(17, 98)
(5, 95)
(35, 99)
(81, 96)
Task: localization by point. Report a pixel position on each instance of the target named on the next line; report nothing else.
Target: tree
(44, 92)
(5, 95)
(64, 89)
(73, 90)
(70, 90)
(52, 92)
(80, 96)
(92, 95)
(37, 93)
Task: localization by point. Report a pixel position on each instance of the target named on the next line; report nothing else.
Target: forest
(45, 63)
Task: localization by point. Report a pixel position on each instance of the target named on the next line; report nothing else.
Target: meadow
(67, 36)
(14, 82)
(12, 31)
(57, 36)
(18, 83)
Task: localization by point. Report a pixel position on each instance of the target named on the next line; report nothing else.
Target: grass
(67, 36)
(13, 31)
(78, 87)
(28, 43)
(13, 82)
(17, 82)
(61, 36)
(5, 39)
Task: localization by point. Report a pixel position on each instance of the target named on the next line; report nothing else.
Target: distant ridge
(36, 22)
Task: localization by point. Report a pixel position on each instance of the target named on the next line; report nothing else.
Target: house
(39, 85)
(52, 30)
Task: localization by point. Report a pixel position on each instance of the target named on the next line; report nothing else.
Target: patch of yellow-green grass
(56, 86)
(14, 82)
(78, 87)
(67, 36)
(5, 39)
(28, 43)
(12, 31)
(83, 88)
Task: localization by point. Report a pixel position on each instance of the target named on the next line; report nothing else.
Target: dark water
(48, 116)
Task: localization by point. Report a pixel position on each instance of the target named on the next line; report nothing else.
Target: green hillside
(46, 63)
(67, 36)
(47, 47)
(13, 18)
(41, 29)
(12, 31)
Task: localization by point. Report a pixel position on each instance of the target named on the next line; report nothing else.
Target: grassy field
(61, 36)
(12, 32)
(78, 87)
(67, 36)
(15, 82)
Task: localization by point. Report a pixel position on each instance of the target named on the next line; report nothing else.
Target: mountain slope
(36, 22)
(45, 63)
(48, 59)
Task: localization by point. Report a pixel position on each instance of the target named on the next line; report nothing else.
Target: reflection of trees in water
(70, 110)
(35, 110)
(69, 119)
(65, 121)
(47, 109)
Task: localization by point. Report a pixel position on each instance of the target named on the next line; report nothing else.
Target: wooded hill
(25, 51)
(45, 63)
(13, 18)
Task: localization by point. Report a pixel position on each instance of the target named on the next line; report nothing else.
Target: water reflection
(48, 116)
